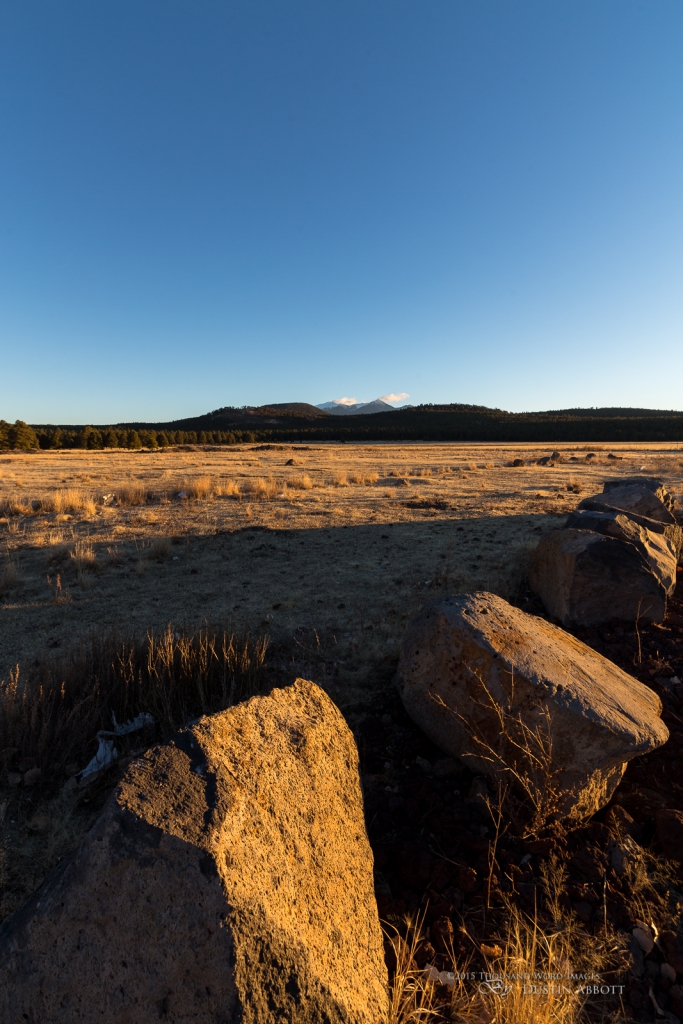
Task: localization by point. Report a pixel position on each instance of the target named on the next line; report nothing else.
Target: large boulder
(670, 529)
(657, 549)
(586, 578)
(229, 879)
(483, 679)
(643, 483)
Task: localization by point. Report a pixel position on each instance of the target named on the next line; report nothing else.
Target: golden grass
(262, 489)
(83, 555)
(300, 483)
(530, 974)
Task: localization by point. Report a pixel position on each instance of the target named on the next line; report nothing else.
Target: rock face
(642, 483)
(670, 530)
(465, 658)
(638, 499)
(229, 879)
(657, 550)
(584, 578)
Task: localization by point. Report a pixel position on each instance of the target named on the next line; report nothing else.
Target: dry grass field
(341, 543)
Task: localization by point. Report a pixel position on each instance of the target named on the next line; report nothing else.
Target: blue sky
(216, 203)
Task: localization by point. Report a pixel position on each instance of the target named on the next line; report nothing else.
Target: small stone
(668, 973)
(423, 763)
(32, 776)
(643, 936)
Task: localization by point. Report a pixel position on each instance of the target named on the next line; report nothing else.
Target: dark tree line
(300, 423)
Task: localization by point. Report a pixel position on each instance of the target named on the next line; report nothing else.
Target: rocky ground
(437, 853)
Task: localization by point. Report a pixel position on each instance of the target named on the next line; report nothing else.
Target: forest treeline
(301, 423)
(21, 435)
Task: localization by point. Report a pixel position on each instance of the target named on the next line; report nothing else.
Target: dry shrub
(574, 485)
(201, 488)
(15, 505)
(262, 489)
(83, 555)
(131, 494)
(519, 756)
(71, 499)
(366, 479)
(300, 483)
(338, 480)
(229, 488)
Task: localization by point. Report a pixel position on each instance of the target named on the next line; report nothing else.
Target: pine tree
(111, 439)
(57, 439)
(20, 435)
(133, 440)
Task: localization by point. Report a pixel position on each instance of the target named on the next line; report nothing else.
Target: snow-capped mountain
(343, 408)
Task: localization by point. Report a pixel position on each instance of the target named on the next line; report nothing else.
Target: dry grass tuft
(365, 479)
(131, 494)
(338, 480)
(300, 483)
(532, 974)
(160, 549)
(83, 555)
(262, 489)
(52, 715)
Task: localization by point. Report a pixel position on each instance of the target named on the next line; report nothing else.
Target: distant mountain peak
(349, 407)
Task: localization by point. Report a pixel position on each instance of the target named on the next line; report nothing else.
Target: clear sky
(208, 203)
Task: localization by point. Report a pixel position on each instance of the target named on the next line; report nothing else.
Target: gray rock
(229, 879)
(586, 578)
(658, 550)
(468, 659)
(633, 496)
(671, 530)
(645, 483)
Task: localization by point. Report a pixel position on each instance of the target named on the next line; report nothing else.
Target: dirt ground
(341, 542)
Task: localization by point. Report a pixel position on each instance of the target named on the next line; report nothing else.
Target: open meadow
(344, 540)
